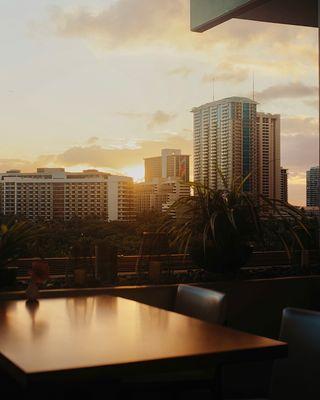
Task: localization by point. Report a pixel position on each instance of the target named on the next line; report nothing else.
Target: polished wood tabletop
(114, 334)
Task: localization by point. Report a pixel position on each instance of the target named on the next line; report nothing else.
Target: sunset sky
(104, 83)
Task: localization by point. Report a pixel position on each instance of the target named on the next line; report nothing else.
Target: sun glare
(135, 171)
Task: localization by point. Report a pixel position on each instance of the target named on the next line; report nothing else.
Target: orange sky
(105, 83)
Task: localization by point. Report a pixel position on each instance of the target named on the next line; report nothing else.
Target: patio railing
(59, 266)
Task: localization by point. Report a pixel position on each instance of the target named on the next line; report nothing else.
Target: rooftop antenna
(253, 85)
(212, 89)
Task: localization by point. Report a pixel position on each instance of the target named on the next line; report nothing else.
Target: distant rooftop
(58, 174)
(49, 170)
(232, 99)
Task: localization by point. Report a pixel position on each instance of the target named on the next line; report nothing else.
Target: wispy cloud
(299, 143)
(153, 120)
(288, 90)
(160, 118)
(132, 114)
(92, 140)
(227, 72)
(299, 125)
(314, 103)
(120, 24)
(300, 151)
(297, 178)
(15, 163)
(182, 71)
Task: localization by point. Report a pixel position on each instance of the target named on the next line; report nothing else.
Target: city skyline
(90, 94)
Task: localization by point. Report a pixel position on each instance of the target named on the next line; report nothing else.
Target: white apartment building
(231, 136)
(52, 193)
(224, 134)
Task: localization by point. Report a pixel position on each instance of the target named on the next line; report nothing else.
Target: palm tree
(15, 236)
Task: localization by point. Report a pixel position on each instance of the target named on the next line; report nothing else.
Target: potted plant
(15, 236)
(39, 274)
(219, 227)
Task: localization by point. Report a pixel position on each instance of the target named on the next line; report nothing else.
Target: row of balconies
(26, 189)
(84, 210)
(33, 196)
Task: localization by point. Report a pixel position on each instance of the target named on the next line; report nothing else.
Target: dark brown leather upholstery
(298, 376)
(197, 302)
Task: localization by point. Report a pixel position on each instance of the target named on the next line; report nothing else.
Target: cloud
(297, 188)
(132, 115)
(297, 178)
(187, 131)
(99, 156)
(299, 151)
(159, 118)
(141, 23)
(289, 90)
(153, 120)
(314, 103)
(124, 23)
(227, 72)
(111, 158)
(182, 71)
(92, 140)
(299, 143)
(7, 164)
(14, 163)
(299, 125)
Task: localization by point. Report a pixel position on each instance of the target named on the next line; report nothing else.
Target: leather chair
(205, 304)
(298, 376)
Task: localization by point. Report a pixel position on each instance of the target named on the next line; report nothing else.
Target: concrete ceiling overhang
(206, 14)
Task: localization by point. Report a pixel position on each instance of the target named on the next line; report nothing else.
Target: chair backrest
(298, 376)
(197, 302)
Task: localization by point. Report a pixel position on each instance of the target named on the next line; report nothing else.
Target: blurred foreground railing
(60, 266)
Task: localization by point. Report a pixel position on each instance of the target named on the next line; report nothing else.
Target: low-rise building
(170, 165)
(159, 196)
(53, 193)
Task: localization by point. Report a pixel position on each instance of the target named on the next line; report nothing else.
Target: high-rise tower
(313, 187)
(284, 185)
(225, 139)
(268, 156)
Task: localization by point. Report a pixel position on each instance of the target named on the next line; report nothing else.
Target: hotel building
(158, 196)
(166, 180)
(52, 193)
(170, 165)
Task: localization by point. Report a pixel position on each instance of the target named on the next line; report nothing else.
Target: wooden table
(83, 337)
